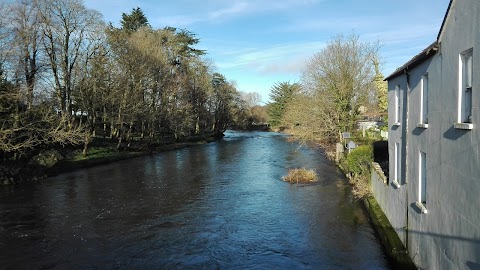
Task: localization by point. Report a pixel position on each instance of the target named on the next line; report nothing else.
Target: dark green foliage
(186, 40)
(133, 21)
(280, 94)
(359, 159)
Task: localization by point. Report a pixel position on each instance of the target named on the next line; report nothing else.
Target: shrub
(358, 165)
(359, 160)
(300, 176)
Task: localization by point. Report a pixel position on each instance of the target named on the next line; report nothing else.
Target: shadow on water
(218, 206)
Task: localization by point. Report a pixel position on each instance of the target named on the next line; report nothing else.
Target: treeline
(67, 77)
(338, 84)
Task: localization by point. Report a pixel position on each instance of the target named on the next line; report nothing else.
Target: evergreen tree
(133, 21)
(280, 94)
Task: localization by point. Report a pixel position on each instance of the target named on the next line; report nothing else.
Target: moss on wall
(393, 245)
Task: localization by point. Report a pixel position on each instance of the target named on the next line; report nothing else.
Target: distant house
(432, 198)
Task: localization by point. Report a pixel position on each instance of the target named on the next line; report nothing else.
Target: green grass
(96, 152)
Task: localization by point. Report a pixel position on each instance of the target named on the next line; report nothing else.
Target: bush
(359, 160)
(300, 176)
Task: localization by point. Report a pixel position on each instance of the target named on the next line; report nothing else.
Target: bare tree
(23, 131)
(335, 83)
(24, 21)
(65, 24)
(4, 36)
(251, 99)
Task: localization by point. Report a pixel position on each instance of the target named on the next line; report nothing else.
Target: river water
(221, 205)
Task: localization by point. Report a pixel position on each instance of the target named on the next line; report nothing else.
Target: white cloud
(268, 5)
(235, 9)
(215, 11)
(200, 15)
(405, 34)
(277, 59)
(330, 25)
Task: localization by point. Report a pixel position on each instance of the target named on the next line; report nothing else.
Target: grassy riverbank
(104, 155)
(51, 162)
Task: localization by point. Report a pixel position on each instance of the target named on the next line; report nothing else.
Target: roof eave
(415, 61)
(444, 20)
(425, 54)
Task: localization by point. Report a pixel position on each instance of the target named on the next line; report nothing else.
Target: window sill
(396, 184)
(396, 124)
(422, 207)
(422, 125)
(465, 126)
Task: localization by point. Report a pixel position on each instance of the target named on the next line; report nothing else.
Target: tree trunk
(104, 122)
(85, 144)
(129, 134)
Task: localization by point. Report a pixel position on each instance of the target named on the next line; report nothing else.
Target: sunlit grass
(300, 176)
(95, 152)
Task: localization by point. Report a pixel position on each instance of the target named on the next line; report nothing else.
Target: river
(221, 205)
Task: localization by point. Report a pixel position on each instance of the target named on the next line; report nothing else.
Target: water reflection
(217, 206)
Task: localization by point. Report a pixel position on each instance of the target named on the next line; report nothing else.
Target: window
(422, 182)
(396, 175)
(397, 105)
(465, 90)
(422, 176)
(424, 102)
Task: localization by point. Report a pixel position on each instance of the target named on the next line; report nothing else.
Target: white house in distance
(432, 198)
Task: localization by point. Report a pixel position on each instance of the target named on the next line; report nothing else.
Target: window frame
(422, 182)
(422, 176)
(424, 85)
(465, 90)
(398, 162)
(397, 106)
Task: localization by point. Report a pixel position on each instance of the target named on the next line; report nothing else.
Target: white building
(432, 198)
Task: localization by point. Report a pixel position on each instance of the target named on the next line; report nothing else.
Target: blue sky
(257, 43)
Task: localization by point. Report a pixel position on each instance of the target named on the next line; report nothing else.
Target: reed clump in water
(300, 176)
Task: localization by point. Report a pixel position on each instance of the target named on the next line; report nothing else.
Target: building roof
(426, 53)
(444, 20)
(415, 61)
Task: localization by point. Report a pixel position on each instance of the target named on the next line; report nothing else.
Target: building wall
(448, 236)
(418, 139)
(392, 198)
(392, 202)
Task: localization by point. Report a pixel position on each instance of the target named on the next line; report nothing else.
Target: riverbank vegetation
(338, 85)
(69, 80)
(300, 176)
(357, 165)
(281, 95)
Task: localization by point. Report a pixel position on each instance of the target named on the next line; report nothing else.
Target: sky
(257, 43)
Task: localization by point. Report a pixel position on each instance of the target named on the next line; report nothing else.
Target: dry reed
(300, 176)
